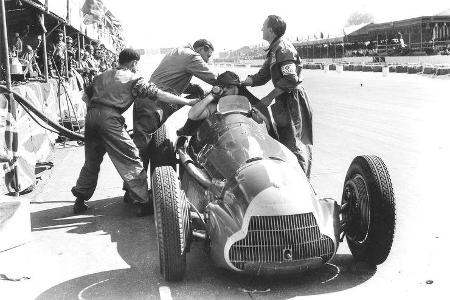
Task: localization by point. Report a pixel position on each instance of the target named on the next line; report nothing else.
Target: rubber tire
(377, 242)
(162, 150)
(171, 222)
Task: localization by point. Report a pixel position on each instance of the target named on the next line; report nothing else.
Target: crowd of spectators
(86, 61)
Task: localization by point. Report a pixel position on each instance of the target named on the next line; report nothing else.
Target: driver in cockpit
(227, 84)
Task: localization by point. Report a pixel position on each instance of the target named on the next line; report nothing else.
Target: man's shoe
(144, 209)
(79, 206)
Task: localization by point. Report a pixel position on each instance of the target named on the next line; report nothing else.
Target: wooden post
(409, 39)
(12, 102)
(5, 44)
(66, 60)
(44, 47)
(386, 45)
(343, 46)
(420, 37)
(376, 51)
(79, 48)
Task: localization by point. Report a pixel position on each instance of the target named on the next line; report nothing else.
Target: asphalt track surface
(110, 254)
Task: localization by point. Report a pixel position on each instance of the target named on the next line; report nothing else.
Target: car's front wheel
(368, 209)
(172, 223)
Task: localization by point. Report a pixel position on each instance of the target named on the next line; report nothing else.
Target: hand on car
(194, 101)
(247, 82)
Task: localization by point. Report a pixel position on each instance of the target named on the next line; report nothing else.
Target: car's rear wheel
(162, 150)
(172, 223)
(368, 209)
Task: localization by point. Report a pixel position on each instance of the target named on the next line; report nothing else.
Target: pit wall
(400, 60)
(381, 67)
(433, 65)
(32, 143)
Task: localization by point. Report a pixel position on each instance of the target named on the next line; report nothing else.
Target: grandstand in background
(420, 36)
(427, 35)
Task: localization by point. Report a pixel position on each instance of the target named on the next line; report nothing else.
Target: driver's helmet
(228, 83)
(228, 78)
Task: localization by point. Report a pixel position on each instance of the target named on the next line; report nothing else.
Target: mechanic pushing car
(292, 110)
(112, 93)
(172, 75)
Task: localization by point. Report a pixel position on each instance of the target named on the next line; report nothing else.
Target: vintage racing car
(244, 194)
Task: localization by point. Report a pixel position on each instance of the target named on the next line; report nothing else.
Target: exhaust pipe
(201, 235)
(201, 176)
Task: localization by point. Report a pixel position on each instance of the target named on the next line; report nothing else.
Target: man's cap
(228, 78)
(88, 47)
(127, 55)
(203, 43)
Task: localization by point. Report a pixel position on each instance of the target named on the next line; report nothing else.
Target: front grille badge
(287, 254)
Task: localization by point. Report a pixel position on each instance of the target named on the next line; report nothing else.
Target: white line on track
(338, 271)
(80, 294)
(164, 293)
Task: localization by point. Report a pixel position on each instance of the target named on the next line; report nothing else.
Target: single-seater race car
(245, 196)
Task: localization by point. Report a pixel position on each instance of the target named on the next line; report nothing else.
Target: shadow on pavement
(136, 244)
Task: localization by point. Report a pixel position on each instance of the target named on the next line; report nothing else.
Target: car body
(246, 196)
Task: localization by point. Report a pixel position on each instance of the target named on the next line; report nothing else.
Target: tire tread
(170, 219)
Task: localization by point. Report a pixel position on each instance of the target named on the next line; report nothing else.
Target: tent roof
(444, 13)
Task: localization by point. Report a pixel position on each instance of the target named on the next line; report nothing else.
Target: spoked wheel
(172, 223)
(162, 150)
(368, 209)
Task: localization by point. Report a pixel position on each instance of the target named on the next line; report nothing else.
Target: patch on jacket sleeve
(142, 89)
(288, 69)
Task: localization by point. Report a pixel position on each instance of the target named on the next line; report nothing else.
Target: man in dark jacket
(292, 111)
(172, 75)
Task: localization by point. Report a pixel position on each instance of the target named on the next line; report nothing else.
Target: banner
(94, 11)
(110, 18)
(24, 138)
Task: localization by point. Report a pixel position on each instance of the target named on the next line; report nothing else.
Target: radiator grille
(281, 238)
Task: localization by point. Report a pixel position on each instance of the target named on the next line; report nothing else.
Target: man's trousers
(293, 117)
(105, 133)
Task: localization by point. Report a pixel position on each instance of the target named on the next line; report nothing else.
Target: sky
(231, 24)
